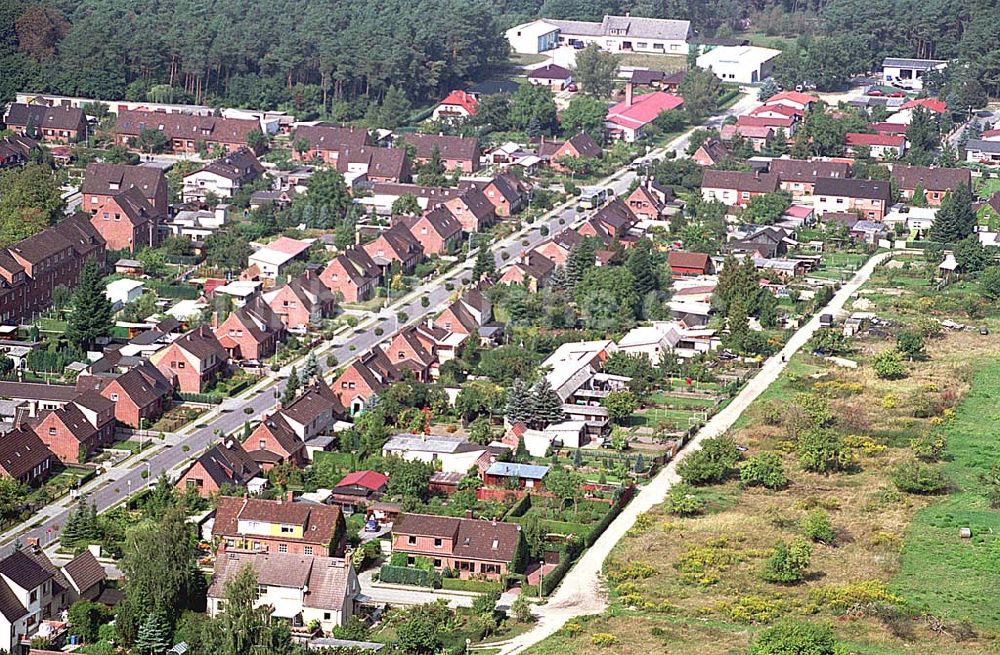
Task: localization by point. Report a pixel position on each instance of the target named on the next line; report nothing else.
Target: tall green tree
(244, 625)
(955, 219)
(153, 637)
(640, 264)
(584, 114)
(533, 104)
(30, 201)
(700, 90)
(92, 311)
(485, 263)
(545, 406)
(596, 70)
(519, 404)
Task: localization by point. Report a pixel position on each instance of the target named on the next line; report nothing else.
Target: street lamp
(541, 574)
(128, 494)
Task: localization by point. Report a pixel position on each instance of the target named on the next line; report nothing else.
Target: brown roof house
(869, 198)
(376, 164)
(531, 269)
(408, 351)
(223, 177)
(352, 275)
(303, 302)
(273, 442)
(195, 360)
(683, 263)
(252, 332)
(279, 526)
(79, 428)
(472, 209)
(648, 201)
(437, 230)
(505, 192)
(127, 221)
(326, 142)
(23, 457)
(101, 182)
(185, 133)
(226, 464)
(52, 124)
(467, 546)
(580, 146)
(736, 188)
(369, 374)
(710, 153)
(313, 412)
(395, 245)
(457, 152)
(140, 391)
(935, 182)
(303, 589)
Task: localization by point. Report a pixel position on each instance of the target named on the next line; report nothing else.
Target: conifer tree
(485, 264)
(577, 458)
(518, 402)
(291, 387)
(92, 311)
(546, 406)
(153, 637)
(311, 368)
(641, 267)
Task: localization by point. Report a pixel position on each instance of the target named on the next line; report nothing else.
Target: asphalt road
(581, 591)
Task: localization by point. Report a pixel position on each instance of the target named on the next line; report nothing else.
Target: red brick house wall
(263, 439)
(430, 239)
(442, 557)
(127, 411)
(250, 348)
(351, 385)
(336, 279)
(448, 321)
(112, 223)
(65, 445)
(174, 362)
(289, 308)
(197, 477)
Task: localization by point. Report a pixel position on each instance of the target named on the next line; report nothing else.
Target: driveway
(581, 592)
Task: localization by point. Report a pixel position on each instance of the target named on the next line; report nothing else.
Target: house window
(282, 548)
(262, 445)
(438, 542)
(401, 355)
(114, 397)
(308, 550)
(327, 616)
(411, 540)
(286, 529)
(180, 364)
(34, 596)
(437, 563)
(641, 44)
(107, 216)
(261, 591)
(52, 432)
(410, 560)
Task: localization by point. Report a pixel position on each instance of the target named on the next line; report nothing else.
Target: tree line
(329, 57)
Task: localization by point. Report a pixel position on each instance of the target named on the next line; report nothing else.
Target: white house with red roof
(879, 145)
(456, 105)
(794, 99)
(272, 258)
(905, 113)
(627, 119)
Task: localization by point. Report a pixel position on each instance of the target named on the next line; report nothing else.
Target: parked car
(571, 87)
(984, 330)
(579, 45)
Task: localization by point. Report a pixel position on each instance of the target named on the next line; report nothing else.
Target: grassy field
(948, 575)
(525, 59)
(896, 579)
(656, 62)
(988, 187)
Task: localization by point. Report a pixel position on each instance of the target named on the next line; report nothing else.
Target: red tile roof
(460, 99)
(764, 121)
(889, 128)
(682, 259)
(368, 479)
(858, 139)
(645, 108)
(795, 96)
(932, 104)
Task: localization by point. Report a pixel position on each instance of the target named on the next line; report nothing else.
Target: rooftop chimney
(468, 513)
(628, 94)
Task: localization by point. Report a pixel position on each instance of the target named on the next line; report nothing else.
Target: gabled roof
(869, 189)
(860, 139)
(23, 570)
(186, 126)
(228, 463)
(84, 572)
(442, 221)
(331, 137)
(134, 205)
(55, 118)
(358, 265)
(477, 203)
(110, 179)
(372, 480)
(550, 72)
(461, 99)
(935, 105)
(241, 166)
(314, 401)
(794, 96)
(931, 178)
(389, 163)
(326, 582)
(682, 259)
(800, 170)
(740, 180)
(280, 430)
(451, 147)
(472, 538)
(643, 110)
(201, 343)
(714, 149)
(319, 522)
(21, 451)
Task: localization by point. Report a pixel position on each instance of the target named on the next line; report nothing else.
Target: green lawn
(52, 325)
(525, 59)
(988, 187)
(949, 576)
(656, 62)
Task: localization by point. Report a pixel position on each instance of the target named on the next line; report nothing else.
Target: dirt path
(582, 592)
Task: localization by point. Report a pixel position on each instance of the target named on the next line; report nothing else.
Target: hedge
(178, 291)
(519, 508)
(477, 586)
(403, 575)
(205, 398)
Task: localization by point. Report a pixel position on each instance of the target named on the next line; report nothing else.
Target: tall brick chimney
(628, 94)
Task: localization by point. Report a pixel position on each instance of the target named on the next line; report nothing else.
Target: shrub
(379, 331)
(914, 477)
(633, 571)
(754, 609)
(764, 470)
(683, 500)
(788, 562)
(794, 638)
(704, 565)
(910, 343)
(573, 628)
(603, 639)
(402, 317)
(816, 526)
(714, 462)
(929, 446)
(888, 365)
(822, 451)
(841, 598)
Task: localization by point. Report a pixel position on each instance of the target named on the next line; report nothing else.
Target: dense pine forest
(344, 59)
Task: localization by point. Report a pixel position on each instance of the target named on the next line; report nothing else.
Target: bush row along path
(581, 592)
